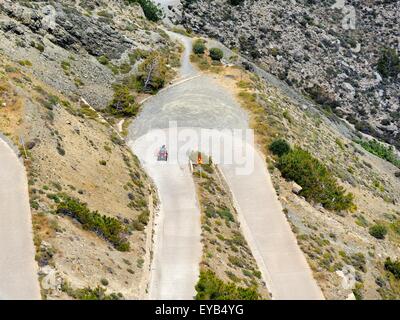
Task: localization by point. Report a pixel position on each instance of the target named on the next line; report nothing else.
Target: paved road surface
(201, 103)
(18, 269)
(270, 237)
(178, 237)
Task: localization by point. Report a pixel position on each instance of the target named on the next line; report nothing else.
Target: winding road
(194, 103)
(18, 269)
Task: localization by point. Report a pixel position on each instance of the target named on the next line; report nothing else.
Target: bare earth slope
(71, 152)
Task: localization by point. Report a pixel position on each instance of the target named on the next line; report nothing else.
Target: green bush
(357, 260)
(137, 55)
(393, 267)
(152, 11)
(389, 63)
(279, 147)
(65, 65)
(316, 180)
(236, 2)
(103, 60)
(108, 227)
(378, 231)
(88, 293)
(380, 150)
(123, 102)
(357, 291)
(216, 54)
(224, 213)
(199, 47)
(209, 287)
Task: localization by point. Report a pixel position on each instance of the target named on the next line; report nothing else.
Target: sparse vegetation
(378, 231)
(216, 54)
(227, 259)
(209, 287)
(389, 63)
(152, 11)
(103, 60)
(108, 227)
(381, 151)
(88, 293)
(199, 47)
(137, 54)
(316, 180)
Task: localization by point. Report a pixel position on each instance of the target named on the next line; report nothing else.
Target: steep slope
(78, 47)
(92, 204)
(342, 54)
(343, 254)
(70, 152)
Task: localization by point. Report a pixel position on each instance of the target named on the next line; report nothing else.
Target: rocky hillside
(346, 249)
(81, 48)
(70, 69)
(343, 54)
(91, 201)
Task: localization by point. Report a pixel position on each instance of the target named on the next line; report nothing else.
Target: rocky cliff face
(63, 40)
(331, 51)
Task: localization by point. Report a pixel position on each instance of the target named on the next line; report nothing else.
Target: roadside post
(21, 141)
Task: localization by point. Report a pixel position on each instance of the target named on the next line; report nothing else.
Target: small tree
(279, 147)
(389, 63)
(210, 287)
(378, 231)
(123, 102)
(236, 2)
(317, 181)
(199, 47)
(152, 73)
(152, 11)
(216, 54)
(393, 267)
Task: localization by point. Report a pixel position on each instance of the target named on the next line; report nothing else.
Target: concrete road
(177, 249)
(196, 104)
(187, 69)
(18, 269)
(284, 267)
(282, 263)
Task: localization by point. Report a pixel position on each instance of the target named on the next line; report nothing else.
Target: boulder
(296, 188)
